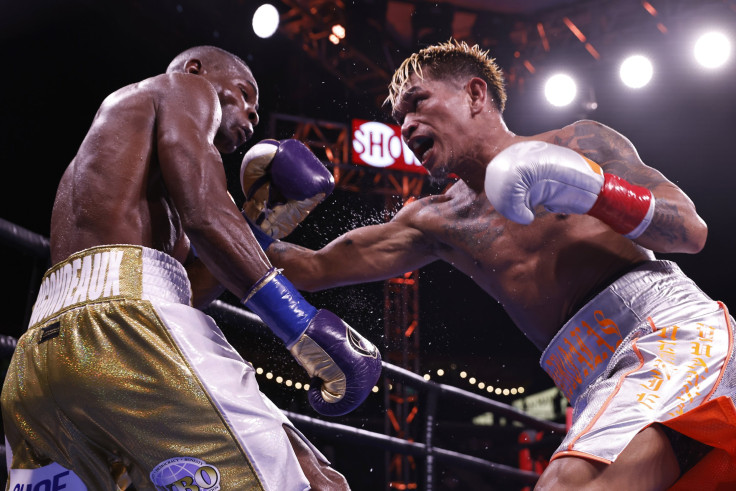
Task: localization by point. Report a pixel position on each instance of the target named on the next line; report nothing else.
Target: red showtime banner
(380, 145)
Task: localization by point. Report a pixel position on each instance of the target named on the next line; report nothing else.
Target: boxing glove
(283, 181)
(532, 173)
(342, 364)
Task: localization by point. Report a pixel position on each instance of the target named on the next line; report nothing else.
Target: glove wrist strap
(280, 305)
(263, 239)
(626, 208)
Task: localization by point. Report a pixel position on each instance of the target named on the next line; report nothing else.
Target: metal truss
(523, 42)
(330, 141)
(309, 24)
(586, 30)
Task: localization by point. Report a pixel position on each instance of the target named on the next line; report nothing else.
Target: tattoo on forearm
(278, 249)
(668, 224)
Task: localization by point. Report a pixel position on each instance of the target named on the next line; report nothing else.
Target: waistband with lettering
(581, 350)
(110, 272)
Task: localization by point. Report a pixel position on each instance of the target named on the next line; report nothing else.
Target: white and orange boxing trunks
(650, 348)
(119, 375)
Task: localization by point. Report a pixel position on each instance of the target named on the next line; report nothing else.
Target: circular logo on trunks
(185, 474)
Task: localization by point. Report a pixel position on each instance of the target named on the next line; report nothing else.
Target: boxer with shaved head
(119, 379)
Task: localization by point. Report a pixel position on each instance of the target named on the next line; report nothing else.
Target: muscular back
(113, 192)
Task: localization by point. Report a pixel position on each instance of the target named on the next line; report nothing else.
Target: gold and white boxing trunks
(650, 348)
(119, 375)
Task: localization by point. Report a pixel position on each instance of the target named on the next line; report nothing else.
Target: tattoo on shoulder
(611, 150)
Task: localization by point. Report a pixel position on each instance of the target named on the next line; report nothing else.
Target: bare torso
(113, 192)
(540, 274)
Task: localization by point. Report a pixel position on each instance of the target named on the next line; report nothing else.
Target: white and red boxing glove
(532, 173)
(283, 181)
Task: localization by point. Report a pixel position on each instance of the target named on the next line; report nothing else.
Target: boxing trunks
(118, 375)
(650, 348)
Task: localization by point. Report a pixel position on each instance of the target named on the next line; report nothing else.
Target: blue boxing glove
(283, 181)
(342, 364)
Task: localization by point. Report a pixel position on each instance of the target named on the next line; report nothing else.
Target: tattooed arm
(371, 253)
(675, 226)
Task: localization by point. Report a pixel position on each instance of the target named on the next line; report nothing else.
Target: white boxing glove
(532, 173)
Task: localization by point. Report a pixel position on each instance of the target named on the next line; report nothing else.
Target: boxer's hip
(655, 293)
(108, 273)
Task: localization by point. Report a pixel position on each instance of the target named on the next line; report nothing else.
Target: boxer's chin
(224, 144)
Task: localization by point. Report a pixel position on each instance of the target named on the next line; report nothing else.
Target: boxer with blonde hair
(561, 228)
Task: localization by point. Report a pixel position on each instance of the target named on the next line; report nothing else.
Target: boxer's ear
(193, 66)
(477, 90)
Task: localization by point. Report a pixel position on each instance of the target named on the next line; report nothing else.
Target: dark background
(62, 58)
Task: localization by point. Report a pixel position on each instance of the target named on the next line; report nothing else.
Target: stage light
(560, 90)
(334, 39)
(265, 20)
(636, 71)
(712, 49)
(338, 31)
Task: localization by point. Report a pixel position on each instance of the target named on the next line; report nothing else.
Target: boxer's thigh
(647, 463)
(321, 476)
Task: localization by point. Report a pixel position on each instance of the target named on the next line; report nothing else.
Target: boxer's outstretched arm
(371, 253)
(676, 225)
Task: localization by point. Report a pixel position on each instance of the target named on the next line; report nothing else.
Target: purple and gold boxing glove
(342, 364)
(283, 181)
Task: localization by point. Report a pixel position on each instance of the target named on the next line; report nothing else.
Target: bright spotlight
(339, 31)
(712, 49)
(560, 90)
(636, 71)
(265, 20)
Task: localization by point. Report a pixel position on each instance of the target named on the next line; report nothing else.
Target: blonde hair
(451, 59)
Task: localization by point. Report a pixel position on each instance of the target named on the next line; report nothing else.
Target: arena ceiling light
(265, 20)
(560, 90)
(337, 34)
(636, 71)
(712, 49)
